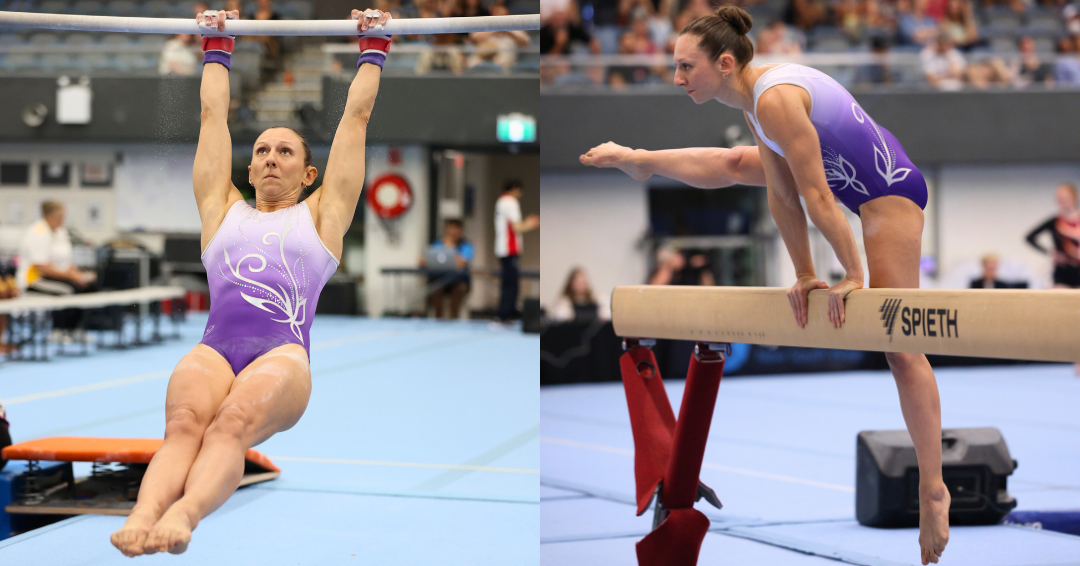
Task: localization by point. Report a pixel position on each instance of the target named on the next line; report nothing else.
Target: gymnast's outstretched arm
(212, 172)
(344, 177)
(701, 167)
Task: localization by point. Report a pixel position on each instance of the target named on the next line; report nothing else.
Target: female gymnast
(816, 142)
(249, 377)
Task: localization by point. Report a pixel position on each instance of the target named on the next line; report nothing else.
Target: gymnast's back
(863, 160)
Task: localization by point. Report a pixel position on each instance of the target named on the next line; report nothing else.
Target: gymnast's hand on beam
(837, 294)
(797, 297)
(216, 18)
(611, 154)
(369, 19)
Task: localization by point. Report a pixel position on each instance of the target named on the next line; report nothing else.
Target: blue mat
(419, 446)
(781, 457)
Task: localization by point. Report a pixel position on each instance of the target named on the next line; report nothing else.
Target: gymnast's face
(694, 72)
(277, 167)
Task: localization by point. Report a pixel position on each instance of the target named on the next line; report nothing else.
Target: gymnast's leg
(268, 396)
(892, 232)
(197, 387)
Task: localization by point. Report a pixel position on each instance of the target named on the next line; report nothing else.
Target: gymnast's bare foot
(131, 538)
(611, 154)
(933, 521)
(172, 533)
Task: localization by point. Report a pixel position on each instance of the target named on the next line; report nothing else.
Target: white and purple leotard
(863, 161)
(266, 270)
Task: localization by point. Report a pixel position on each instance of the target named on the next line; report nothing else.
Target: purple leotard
(266, 270)
(863, 161)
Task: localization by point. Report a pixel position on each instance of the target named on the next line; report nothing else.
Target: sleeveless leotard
(266, 270)
(863, 161)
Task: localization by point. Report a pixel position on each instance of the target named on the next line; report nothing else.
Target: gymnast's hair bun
(736, 17)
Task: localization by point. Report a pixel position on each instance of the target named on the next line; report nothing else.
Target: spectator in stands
(959, 23)
(452, 279)
(577, 302)
(178, 56)
(272, 57)
(777, 39)
(9, 289)
(674, 267)
(45, 255)
(989, 278)
(943, 65)
(805, 14)
(669, 265)
(200, 7)
(497, 47)
(446, 52)
(474, 8)
(509, 226)
(1067, 65)
(563, 33)
(237, 5)
(1032, 70)
(879, 72)
(914, 26)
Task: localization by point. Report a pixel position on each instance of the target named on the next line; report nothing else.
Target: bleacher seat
(124, 8)
(157, 8)
(60, 62)
(20, 62)
(56, 7)
(827, 39)
(78, 39)
(116, 39)
(1003, 45)
(88, 8)
(44, 38)
(1001, 18)
(98, 61)
(303, 8)
(152, 40)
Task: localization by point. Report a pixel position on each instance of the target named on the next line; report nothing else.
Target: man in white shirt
(45, 256)
(508, 229)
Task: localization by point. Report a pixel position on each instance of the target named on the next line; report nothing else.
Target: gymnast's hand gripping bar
(412, 26)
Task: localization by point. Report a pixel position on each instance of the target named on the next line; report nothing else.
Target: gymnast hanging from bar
(813, 141)
(250, 377)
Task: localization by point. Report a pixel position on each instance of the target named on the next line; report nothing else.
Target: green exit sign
(516, 128)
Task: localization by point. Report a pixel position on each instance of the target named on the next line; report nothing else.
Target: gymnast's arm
(701, 167)
(344, 177)
(212, 172)
(1032, 237)
(787, 211)
(783, 116)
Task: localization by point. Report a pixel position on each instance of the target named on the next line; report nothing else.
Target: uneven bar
(412, 26)
(1039, 325)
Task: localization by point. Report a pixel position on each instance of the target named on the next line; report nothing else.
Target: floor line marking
(469, 467)
(717, 467)
(504, 448)
(87, 388)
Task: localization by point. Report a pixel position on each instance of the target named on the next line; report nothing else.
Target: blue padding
(1067, 522)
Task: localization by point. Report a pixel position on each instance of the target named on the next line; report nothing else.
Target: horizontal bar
(411, 26)
(1038, 325)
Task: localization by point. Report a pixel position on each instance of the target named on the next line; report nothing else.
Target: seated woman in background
(577, 303)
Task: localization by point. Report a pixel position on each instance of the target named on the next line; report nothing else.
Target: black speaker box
(975, 465)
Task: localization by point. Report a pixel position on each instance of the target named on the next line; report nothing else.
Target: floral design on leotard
(884, 156)
(839, 172)
(293, 307)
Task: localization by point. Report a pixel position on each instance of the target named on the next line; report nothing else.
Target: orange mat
(90, 449)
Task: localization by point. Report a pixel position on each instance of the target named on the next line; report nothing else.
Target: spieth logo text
(917, 321)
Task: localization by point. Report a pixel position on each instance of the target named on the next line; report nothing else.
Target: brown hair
(568, 291)
(724, 31)
(50, 206)
(303, 142)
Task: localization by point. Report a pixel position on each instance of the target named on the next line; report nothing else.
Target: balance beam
(1039, 325)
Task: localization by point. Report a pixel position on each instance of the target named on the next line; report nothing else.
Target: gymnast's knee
(231, 423)
(183, 422)
(902, 363)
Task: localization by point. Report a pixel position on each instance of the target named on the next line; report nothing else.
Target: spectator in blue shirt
(450, 281)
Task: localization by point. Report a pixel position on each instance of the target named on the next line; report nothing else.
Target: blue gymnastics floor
(781, 457)
(419, 446)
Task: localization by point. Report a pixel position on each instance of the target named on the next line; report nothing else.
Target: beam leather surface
(1011, 324)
